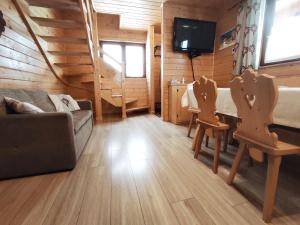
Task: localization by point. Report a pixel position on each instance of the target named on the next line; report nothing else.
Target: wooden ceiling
(139, 14)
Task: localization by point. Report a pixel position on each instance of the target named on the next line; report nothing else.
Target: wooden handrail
(88, 28)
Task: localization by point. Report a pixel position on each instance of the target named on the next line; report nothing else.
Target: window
(135, 61)
(282, 34)
(114, 50)
(133, 55)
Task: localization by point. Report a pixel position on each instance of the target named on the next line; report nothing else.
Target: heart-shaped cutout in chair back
(204, 96)
(250, 99)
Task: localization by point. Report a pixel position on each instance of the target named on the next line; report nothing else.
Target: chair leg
(199, 142)
(217, 152)
(196, 137)
(206, 141)
(191, 124)
(271, 186)
(225, 144)
(236, 162)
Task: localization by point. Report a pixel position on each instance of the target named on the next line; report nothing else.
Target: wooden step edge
(116, 96)
(66, 65)
(137, 109)
(70, 40)
(54, 4)
(57, 23)
(76, 74)
(87, 81)
(131, 100)
(68, 53)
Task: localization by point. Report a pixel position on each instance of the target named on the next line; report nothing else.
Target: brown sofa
(33, 144)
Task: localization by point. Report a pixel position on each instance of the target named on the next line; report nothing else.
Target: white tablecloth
(287, 110)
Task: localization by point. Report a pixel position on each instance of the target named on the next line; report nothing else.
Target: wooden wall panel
(223, 60)
(21, 63)
(177, 65)
(287, 74)
(157, 71)
(137, 88)
(109, 30)
(149, 67)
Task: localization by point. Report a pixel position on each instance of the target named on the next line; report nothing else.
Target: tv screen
(194, 35)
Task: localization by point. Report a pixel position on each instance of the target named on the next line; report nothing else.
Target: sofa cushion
(80, 118)
(20, 95)
(38, 98)
(41, 99)
(22, 107)
(64, 103)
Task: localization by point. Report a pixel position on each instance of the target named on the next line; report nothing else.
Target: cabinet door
(183, 114)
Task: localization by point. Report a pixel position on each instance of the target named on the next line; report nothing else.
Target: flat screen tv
(193, 36)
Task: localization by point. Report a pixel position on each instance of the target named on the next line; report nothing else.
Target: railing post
(97, 69)
(123, 85)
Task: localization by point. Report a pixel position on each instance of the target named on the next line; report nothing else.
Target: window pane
(283, 42)
(134, 61)
(114, 50)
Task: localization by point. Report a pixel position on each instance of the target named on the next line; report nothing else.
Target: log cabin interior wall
(223, 58)
(109, 30)
(22, 65)
(157, 69)
(287, 74)
(177, 65)
(153, 65)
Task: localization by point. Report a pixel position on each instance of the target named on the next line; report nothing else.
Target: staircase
(113, 84)
(66, 33)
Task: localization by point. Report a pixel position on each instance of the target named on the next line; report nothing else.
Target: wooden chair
(194, 116)
(255, 97)
(205, 92)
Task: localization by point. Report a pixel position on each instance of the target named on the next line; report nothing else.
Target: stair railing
(122, 64)
(86, 12)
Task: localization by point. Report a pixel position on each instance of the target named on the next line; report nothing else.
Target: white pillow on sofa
(64, 103)
(22, 107)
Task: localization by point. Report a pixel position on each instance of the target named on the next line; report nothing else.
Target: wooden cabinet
(177, 114)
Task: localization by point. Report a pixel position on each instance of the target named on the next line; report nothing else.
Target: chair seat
(194, 110)
(282, 148)
(219, 126)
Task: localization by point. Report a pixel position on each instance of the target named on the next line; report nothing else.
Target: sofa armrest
(85, 104)
(36, 143)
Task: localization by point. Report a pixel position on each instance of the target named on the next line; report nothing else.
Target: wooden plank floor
(142, 171)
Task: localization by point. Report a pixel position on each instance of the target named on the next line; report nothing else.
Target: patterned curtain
(248, 35)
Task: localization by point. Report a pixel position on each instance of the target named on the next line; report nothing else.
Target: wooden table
(286, 113)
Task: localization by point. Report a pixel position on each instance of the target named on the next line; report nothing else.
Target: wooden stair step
(64, 65)
(137, 109)
(76, 74)
(87, 79)
(56, 4)
(68, 53)
(131, 100)
(116, 96)
(57, 23)
(69, 40)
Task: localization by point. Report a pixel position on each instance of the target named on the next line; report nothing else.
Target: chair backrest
(205, 91)
(255, 97)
